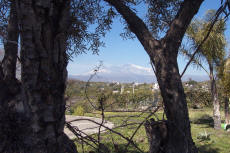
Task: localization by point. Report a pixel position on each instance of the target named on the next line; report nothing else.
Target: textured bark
(216, 103)
(11, 45)
(32, 119)
(179, 134)
(163, 54)
(9, 90)
(44, 28)
(1, 73)
(8, 65)
(157, 135)
(226, 110)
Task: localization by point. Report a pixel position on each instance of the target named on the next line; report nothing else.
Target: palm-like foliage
(224, 75)
(213, 49)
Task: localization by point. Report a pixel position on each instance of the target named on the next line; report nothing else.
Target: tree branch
(136, 25)
(182, 20)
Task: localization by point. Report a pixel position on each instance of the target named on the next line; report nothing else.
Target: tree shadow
(117, 148)
(208, 148)
(205, 120)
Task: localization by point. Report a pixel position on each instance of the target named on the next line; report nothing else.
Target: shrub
(79, 111)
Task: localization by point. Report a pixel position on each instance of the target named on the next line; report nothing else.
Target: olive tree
(163, 54)
(32, 109)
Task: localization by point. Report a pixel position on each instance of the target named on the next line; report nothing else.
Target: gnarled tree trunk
(44, 31)
(179, 137)
(39, 117)
(11, 122)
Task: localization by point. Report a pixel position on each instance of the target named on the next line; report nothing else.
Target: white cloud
(126, 69)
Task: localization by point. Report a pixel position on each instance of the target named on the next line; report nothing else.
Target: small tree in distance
(224, 75)
(212, 51)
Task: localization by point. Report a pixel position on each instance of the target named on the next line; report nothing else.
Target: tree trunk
(226, 110)
(216, 104)
(44, 30)
(179, 137)
(157, 135)
(11, 50)
(11, 123)
(8, 65)
(11, 45)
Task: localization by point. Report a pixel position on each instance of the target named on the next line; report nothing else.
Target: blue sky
(119, 52)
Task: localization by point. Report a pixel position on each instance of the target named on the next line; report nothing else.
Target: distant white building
(188, 85)
(115, 91)
(122, 89)
(155, 86)
(136, 84)
(116, 83)
(102, 89)
(204, 87)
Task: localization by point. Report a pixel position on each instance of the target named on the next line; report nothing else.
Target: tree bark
(216, 103)
(157, 135)
(8, 64)
(10, 118)
(44, 29)
(226, 110)
(11, 45)
(163, 54)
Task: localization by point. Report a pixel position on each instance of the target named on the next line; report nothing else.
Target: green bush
(198, 98)
(70, 111)
(79, 111)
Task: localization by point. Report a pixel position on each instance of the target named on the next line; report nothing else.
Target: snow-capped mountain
(123, 73)
(123, 69)
(126, 73)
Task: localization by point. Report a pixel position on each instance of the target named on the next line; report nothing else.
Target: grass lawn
(206, 138)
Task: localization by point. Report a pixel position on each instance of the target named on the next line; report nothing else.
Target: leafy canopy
(213, 49)
(224, 75)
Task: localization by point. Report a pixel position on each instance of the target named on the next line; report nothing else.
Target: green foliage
(213, 49)
(192, 82)
(79, 111)
(224, 76)
(198, 98)
(167, 10)
(82, 35)
(76, 95)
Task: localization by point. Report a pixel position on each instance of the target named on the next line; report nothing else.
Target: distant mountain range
(126, 74)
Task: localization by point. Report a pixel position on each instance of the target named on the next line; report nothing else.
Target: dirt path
(84, 124)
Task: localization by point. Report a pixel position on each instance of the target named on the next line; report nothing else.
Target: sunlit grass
(201, 123)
